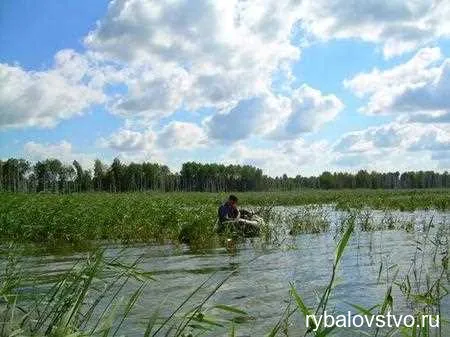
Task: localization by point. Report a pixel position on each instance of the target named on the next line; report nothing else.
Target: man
(230, 219)
(229, 211)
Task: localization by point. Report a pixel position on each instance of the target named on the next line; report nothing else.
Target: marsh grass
(97, 296)
(324, 298)
(162, 217)
(31, 306)
(423, 289)
(309, 219)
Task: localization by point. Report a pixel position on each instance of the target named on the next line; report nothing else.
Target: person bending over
(228, 210)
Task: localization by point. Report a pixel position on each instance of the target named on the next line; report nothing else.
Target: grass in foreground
(91, 300)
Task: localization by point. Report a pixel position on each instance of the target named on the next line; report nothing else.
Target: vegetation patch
(181, 217)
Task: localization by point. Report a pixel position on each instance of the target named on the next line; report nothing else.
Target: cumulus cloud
(443, 158)
(188, 55)
(276, 117)
(202, 34)
(438, 116)
(175, 135)
(373, 138)
(181, 135)
(411, 136)
(291, 157)
(150, 145)
(63, 151)
(415, 71)
(214, 53)
(352, 160)
(152, 93)
(431, 96)
(418, 88)
(399, 25)
(133, 146)
(232, 29)
(387, 161)
(245, 119)
(44, 98)
(128, 140)
(394, 144)
(432, 139)
(217, 53)
(309, 110)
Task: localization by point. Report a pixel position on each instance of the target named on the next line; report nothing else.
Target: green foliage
(179, 217)
(309, 219)
(80, 217)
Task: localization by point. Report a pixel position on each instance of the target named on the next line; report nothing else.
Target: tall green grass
(97, 297)
(77, 218)
(176, 217)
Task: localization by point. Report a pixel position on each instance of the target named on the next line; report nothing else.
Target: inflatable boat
(247, 227)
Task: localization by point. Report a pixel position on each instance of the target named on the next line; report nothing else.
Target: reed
(90, 300)
(179, 217)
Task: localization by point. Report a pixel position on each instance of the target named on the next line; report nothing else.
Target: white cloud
(415, 71)
(44, 98)
(152, 93)
(185, 54)
(128, 140)
(181, 135)
(245, 119)
(309, 110)
(352, 160)
(173, 55)
(152, 156)
(181, 55)
(438, 116)
(134, 146)
(395, 145)
(412, 136)
(419, 88)
(212, 53)
(432, 139)
(200, 34)
(399, 25)
(62, 151)
(443, 158)
(431, 96)
(387, 161)
(175, 135)
(371, 139)
(276, 117)
(292, 157)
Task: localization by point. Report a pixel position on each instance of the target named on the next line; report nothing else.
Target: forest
(52, 175)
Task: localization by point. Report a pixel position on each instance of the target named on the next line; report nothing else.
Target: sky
(295, 87)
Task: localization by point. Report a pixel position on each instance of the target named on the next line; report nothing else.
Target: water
(263, 272)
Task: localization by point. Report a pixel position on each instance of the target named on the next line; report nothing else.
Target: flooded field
(242, 287)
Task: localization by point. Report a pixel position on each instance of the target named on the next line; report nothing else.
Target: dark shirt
(227, 211)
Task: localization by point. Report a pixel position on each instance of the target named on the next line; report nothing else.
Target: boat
(249, 226)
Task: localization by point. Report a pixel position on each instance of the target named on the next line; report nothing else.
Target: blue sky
(339, 88)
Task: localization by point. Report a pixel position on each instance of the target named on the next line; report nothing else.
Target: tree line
(51, 175)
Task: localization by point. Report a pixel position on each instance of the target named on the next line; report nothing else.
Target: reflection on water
(260, 284)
